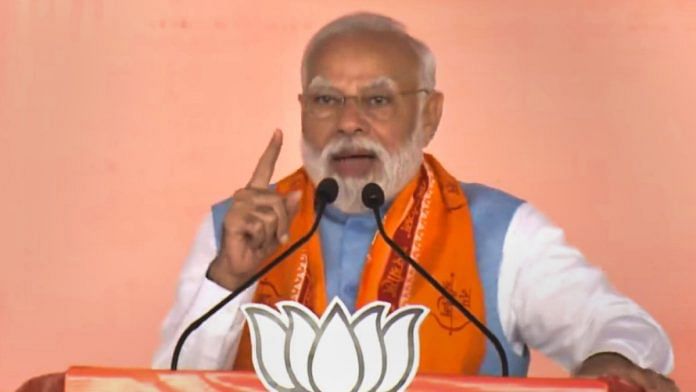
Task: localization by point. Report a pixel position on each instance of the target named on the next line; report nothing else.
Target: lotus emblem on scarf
(293, 350)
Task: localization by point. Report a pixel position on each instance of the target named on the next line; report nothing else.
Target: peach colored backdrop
(122, 121)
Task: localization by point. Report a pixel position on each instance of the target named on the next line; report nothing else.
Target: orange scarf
(430, 220)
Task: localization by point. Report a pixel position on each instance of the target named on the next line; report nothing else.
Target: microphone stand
(320, 203)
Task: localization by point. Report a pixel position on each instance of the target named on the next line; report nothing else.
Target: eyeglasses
(377, 105)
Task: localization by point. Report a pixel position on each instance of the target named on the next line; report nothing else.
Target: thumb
(292, 203)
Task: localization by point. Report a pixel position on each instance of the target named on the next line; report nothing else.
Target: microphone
(373, 198)
(325, 194)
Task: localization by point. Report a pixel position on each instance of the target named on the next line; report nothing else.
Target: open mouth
(353, 155)
(353, 163)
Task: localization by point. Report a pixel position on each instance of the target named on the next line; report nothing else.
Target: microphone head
(327, 191)
(372, 196)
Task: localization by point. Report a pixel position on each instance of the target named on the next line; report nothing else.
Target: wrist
(216, 273)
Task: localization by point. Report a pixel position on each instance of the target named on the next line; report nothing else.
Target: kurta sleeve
(552, 300)
(213, 345)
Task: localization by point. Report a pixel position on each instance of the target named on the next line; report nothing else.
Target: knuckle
(248, 222)
(282, 207)
(230, 222)
(240, 193)
(271, 196)
(265, 209)
(273, 220)
(265, 217)
(255, 223)
(235, 211)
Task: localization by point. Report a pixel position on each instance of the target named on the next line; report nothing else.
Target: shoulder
(510, 219)
(486, 200)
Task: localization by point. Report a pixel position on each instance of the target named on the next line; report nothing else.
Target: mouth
(353, 163)
(345, 155)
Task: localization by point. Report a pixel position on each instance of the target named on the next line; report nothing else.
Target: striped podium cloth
(84, 379)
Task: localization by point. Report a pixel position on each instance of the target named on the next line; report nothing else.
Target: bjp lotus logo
(371, 350)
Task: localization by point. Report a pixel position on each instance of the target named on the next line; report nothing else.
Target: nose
(351, 118)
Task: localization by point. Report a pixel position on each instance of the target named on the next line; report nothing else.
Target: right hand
(257, 222)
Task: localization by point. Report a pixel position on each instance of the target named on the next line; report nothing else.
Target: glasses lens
(323, 105)
(380, 106)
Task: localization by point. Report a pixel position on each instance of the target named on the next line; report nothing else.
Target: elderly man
(369, 107)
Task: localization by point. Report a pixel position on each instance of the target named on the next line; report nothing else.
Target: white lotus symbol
(293, 350)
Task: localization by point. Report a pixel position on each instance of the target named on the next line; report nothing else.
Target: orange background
(122, 121)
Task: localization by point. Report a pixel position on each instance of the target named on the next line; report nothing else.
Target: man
(369, 107)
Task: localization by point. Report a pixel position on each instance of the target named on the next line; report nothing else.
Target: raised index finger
(264, 169)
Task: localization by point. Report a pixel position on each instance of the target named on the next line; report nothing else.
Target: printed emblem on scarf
(392, 280)
(396, 271)
(300, 291)
(447, 316)
(409, 223)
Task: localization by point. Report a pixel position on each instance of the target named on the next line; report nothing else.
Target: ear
(432, 112)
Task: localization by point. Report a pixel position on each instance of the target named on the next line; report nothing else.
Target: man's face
(359, 138)
(364, 64)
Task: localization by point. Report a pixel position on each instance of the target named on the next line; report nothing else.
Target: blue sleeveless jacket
(491, 212)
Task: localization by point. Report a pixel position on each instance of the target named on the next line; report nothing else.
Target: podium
(89, 379)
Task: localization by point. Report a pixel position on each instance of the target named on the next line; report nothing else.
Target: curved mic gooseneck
(373, 198)
(326, 193)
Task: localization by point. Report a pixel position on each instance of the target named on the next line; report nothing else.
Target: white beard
(392, 175)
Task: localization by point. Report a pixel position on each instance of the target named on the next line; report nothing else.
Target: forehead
(354, 60)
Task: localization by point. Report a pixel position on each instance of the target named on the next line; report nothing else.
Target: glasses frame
(343, 98)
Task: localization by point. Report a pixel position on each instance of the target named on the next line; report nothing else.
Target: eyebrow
(319, 82)
(382, 81)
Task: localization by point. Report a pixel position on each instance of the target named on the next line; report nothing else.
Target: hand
(607, 365)
(54, 382)
(257, 222)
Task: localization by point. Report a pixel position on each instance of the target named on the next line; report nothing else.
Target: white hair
(370, 22)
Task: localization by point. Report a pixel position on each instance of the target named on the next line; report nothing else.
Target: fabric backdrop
(122, 121)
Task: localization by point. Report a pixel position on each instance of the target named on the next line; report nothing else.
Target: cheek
(394, 135)
(315, 133)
